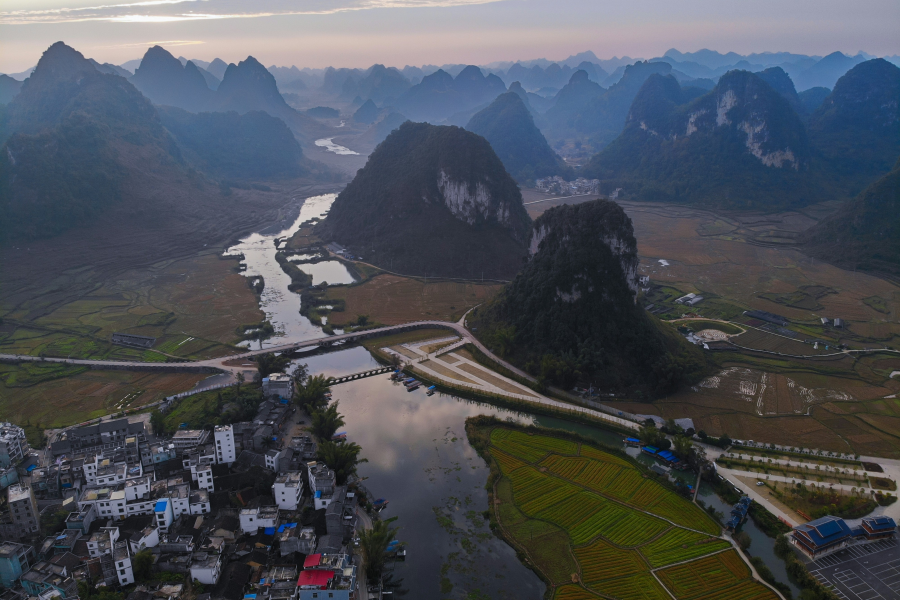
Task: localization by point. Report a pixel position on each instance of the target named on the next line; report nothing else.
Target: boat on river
(430, 391)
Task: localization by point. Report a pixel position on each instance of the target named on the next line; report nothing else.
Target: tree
(325, 423)
(504, 339)
(650, 435)
(340, 457)
(362, 320)
(270, 363)
(53, 523)
(240, 381)
(312, 395)
(143, 565)
(374, 543)
(683, 446)
(300, 374)
(157, 422)
(743, 539)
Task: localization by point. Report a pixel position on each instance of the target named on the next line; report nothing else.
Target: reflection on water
(421, 461)
(332, 271)
(332, 147)
(761, 545)
(282, 307)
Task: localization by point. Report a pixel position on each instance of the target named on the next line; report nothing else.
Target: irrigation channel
(419, 457)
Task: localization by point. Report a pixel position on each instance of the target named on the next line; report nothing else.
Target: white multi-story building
(252, 519)
(103, 541)
(23, 510)
(165, 516)
(13, 445)
(206, 567)
(288, 490)
(322, 482)
(225, 451)
(185, 439)
(146, 538)
(124, 570)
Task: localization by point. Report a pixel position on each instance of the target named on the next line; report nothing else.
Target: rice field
(597, 526)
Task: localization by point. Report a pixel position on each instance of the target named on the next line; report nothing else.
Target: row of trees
(312, 393)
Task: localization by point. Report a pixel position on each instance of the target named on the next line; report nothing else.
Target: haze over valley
(454, 322)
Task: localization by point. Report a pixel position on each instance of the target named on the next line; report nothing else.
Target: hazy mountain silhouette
(508, 126)
(164, 80)
(440, 95)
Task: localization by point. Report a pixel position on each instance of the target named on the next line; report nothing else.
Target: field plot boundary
(535, 478)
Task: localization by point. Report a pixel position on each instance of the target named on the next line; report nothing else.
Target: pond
(331, 271)
(282, 307)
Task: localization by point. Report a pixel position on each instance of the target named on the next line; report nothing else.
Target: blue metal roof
(318, 493)
(632, 440)
(269, 531)
(650, 449)
(160, 506)
(881, 523)
(825, 531)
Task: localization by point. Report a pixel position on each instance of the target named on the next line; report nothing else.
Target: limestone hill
(570, 315)
(436, 201)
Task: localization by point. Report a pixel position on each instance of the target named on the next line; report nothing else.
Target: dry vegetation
(83, 394)
(391, 300)
(744, 261)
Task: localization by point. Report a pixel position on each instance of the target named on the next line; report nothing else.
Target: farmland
(389, 299)
(612, 528)
(741, 262)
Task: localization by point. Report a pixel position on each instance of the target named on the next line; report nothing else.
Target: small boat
(401, 554)
(412, 382)
(339, 436)
(413, 387)
(430, 391)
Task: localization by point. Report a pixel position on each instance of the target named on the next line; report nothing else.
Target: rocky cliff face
(738, 145)
(742, 103)
(433, 200)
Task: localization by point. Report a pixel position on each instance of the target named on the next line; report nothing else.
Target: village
(240, 512)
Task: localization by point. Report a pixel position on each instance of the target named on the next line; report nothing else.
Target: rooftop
(290, 479)
(19, 492)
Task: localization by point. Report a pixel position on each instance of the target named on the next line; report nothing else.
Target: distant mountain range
(739, 145)
(433, 200)
(75, 141)
(79, 140)
(440, 95)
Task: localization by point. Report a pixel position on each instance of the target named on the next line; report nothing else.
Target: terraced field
(604, 528)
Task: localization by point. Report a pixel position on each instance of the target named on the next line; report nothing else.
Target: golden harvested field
(86, 394)
(201, 298)
(746, 261)
(391, 300)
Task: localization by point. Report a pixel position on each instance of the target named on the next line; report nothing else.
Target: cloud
(168, 43)
(167, 11)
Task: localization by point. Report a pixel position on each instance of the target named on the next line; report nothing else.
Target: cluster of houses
(192, 502)
(558, 185)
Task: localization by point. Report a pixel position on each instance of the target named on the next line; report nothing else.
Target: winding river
(419, 457)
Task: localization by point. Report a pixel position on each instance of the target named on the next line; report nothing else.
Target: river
(282, 307)
(419, 457)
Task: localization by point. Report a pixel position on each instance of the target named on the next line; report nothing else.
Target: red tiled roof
(315, 577)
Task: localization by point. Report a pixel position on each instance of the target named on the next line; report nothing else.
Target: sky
(359, 33)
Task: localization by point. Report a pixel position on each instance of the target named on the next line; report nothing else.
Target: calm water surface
(420, 460)
(332, 271)
(282, 307)
(332, 147)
